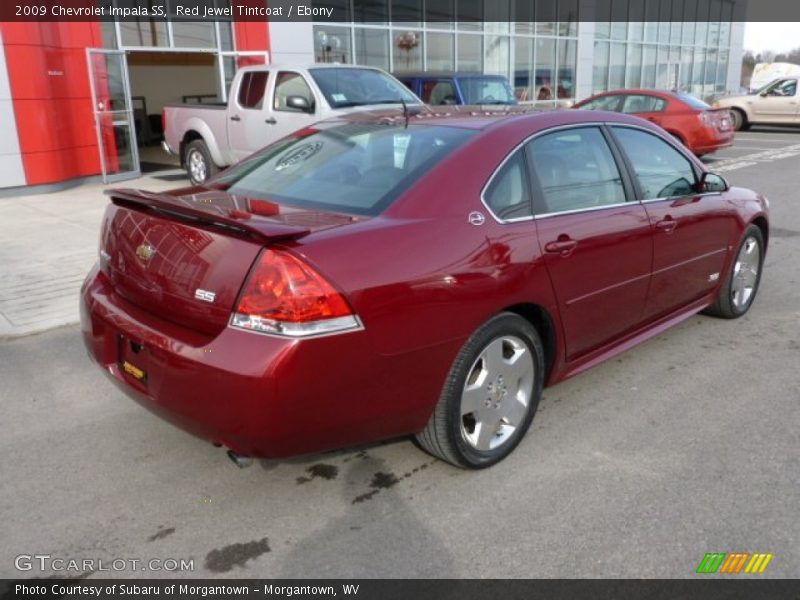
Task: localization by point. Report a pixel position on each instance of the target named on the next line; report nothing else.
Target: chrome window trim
(652, 200)
(508, 157)
(582, 210)
(609, 124)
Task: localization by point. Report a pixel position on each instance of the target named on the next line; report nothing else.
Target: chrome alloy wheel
(197, 166)
(497, 393)
(745, 273)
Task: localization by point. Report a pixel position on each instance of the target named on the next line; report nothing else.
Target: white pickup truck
(267, 103)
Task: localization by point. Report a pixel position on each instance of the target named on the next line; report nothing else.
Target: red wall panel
(251, 35)
(49, 84)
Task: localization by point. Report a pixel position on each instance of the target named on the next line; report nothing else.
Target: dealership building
(83, 100)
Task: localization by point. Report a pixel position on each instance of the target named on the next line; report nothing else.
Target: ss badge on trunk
(204, 295)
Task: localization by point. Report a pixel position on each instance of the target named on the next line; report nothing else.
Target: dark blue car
(459, 88)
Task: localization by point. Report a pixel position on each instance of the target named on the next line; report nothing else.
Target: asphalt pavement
(685, 445)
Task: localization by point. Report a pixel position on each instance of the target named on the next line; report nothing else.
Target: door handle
(564, 247)
(667, 225)
(236, 118)
(270, 121)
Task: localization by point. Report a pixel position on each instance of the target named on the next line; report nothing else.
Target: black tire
(199, 165)
(740, 122)
(726, 307)
(445, 434)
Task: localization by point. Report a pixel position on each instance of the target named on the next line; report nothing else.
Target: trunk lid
(185, 257)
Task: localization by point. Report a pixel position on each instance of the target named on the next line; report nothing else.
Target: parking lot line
(747, 138)
(731, 163)
(748, 148)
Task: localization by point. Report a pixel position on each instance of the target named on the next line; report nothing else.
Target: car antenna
(405, 109)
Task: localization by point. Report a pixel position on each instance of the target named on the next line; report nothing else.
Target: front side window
(636, 103)
(252, 88)
(507, 195)
(438, 92)
(360, 87)
(603, 103)
(354, 168)
(291, 84)
(575, 170)
(661, 170)
(787, 87)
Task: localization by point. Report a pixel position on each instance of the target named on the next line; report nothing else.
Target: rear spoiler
(263, 228)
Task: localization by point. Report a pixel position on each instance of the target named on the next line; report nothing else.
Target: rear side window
(661, 170)
(693, 102)
(354, 168)
(438, 92)
(252, 88)
(508, 195)
(637, 103)
(575, 170)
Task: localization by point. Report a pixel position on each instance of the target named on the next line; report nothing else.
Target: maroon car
(378, 276)
(691, 121)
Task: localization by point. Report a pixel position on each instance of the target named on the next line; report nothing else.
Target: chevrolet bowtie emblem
(145, 252)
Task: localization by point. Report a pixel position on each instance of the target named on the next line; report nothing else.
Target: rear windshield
(360, 87)
(693, 102)
(486, 90)
(353, 168)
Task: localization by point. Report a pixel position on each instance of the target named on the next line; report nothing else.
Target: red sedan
(377, 276)
(699, 127)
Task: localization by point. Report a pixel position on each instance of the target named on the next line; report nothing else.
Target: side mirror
(299, 103)
(711, 182)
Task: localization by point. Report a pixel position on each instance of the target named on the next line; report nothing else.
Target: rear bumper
(256, 394)
(706, 139)
(168, 149)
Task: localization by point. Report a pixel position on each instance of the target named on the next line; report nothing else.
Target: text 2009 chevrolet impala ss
(378, 276)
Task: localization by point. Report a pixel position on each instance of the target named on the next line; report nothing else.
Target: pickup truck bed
(267, 103)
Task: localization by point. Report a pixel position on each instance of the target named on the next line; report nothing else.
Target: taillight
(163, 122)
(285, 296)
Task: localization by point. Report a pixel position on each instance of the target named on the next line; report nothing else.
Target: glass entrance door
(113, 114)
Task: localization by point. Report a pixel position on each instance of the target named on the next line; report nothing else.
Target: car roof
(477, 118)
(445, 74)
(666, 94)
(307, 66)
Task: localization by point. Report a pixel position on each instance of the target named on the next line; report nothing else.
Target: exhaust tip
(239, 460)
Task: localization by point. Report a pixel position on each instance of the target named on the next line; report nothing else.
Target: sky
(779, 37)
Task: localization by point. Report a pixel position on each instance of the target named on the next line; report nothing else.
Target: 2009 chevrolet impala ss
(383, 275)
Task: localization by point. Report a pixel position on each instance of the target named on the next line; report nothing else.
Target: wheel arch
(743, 111)
(538, 316)
(196, 129)
(761, 222)
(188, 137)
